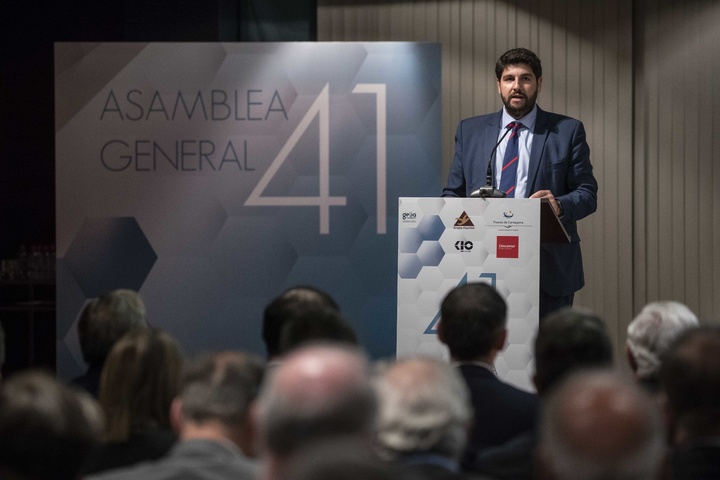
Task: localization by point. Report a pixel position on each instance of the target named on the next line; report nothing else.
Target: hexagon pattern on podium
(447, 242)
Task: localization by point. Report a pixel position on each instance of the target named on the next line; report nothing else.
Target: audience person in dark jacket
(473, 326)
(567, 340)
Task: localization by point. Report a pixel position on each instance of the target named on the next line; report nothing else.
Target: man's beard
(523, 110)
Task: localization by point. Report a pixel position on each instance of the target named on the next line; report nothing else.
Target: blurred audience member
(338, 459)
(423, 419)
(317, 324)
(649, 335)
(102, 322)
(287, 305)
(211, 416)
(473, 326)
(567, 340)
(318, 392)
(690, 378)
(139, 381)
(598, 426)
(47, 429)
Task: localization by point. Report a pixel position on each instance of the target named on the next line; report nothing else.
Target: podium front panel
(447, 242)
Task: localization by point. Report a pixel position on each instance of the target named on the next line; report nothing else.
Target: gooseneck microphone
(488, 191)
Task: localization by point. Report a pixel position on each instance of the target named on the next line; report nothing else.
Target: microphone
(488, 191)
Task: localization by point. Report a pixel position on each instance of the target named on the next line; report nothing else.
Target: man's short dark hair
(290, 304)
(567, 340)
(690, 377)
(220, 386)
(473, 317)
(315, 324)
(517, 56)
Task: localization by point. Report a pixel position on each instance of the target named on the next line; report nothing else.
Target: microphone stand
(488, 191)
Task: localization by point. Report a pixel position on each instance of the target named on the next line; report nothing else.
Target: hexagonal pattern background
(175, 225)
(447, 255)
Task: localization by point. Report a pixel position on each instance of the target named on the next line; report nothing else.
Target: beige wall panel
(644, 87)
(677, 181)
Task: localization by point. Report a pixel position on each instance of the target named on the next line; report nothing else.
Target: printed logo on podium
(508, 247)
(463, 221)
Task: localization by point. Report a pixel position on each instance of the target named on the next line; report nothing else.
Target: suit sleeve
(580, 199)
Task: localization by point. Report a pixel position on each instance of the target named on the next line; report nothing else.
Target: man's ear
(440, 332)
(500, 341)
(176, 416)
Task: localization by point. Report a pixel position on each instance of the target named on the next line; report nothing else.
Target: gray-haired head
(107, 318)
(652, 331)
(424, 407)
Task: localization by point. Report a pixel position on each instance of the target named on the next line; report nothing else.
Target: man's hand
(548, 194)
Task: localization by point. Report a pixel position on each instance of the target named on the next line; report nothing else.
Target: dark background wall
(28, 31)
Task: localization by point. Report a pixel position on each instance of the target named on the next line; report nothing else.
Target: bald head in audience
(598, 425)
(318, 392)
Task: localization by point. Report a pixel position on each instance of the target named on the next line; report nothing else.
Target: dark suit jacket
(90, 380)
(140, 447)
(511, 461)
(698, 460)
(433, 472)
(559, 162)
(502, 411)
(190, 460)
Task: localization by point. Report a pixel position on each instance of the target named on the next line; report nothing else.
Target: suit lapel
(538, 145)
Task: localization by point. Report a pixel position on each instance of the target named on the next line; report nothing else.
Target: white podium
(446, 242)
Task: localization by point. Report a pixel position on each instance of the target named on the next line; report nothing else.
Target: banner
(210, 177)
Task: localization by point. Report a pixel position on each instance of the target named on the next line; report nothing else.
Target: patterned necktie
(510, 162)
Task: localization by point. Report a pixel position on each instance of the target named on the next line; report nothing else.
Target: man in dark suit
(552, 162)
(473, 326)
(566, 341)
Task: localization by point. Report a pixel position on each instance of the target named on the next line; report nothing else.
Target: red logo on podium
(508, 247)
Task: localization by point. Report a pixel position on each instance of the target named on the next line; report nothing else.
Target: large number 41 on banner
(321, 109)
